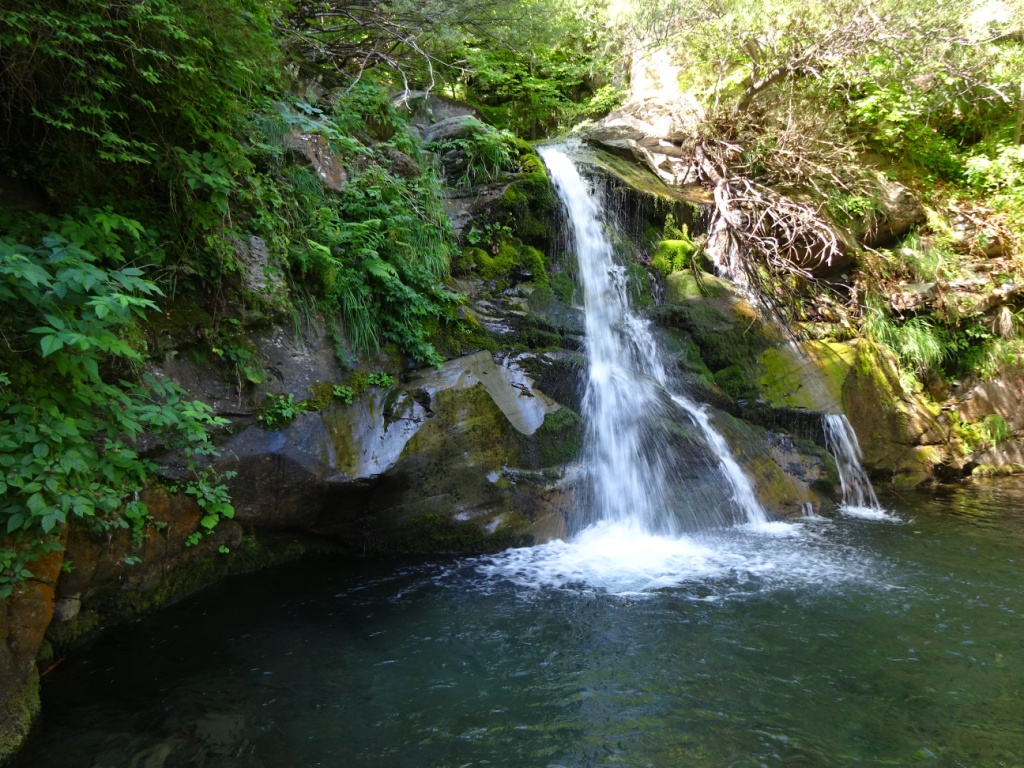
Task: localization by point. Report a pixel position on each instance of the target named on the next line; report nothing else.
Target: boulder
(897, 211)
(317, 151)
(449, 128)
(429, 107)
(285, 479)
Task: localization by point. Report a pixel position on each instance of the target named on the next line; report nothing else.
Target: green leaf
(50, 344)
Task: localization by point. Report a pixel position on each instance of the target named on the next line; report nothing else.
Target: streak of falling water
(842, 444)
(626, 391)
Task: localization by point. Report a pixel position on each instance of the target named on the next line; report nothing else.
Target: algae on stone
(806, 375)
(17, 713)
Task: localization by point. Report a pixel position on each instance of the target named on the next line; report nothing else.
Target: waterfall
(627, 390)
(841, 441)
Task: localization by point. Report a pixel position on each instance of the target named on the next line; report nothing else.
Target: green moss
(484, 428)
(781, 381)
(513, 259)
(686, 285)
(673, 256)
(321, 394)
(17, 714)
(67, 634)
(528, 202)
(736, 380)
(558, 440)
(456, 337)
(639, 286)
(464, 263)
(812, 378)
(358, 381)
(563, 286)
(728, 346)
(537, 334)
(682, 286)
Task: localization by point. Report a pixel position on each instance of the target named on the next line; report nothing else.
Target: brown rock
(401, 164)
(24, 617)
(317, 150)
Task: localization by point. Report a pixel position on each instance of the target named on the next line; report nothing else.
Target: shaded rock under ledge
(284, 478)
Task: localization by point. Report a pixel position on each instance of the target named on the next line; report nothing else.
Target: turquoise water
(823, 643)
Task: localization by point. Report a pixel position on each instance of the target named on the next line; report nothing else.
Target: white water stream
(859, 497)
(628, 389)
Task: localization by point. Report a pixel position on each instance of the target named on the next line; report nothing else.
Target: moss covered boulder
(905, 439)
(470, 479)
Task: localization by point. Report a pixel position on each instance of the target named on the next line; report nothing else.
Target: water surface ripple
(845, 642)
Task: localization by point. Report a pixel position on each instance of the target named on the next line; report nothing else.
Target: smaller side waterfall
(841, 441)
(742, 489)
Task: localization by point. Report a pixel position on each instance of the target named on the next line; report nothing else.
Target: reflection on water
(825, 643)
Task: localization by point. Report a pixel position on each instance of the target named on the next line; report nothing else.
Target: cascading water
(841, 440)
(626, 394)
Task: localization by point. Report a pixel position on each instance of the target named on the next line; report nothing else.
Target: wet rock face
(458, 484)
(729, 358)
(442, 436)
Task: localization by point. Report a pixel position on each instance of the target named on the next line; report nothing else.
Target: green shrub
(381, 379)
(73, 406)
(279, 411)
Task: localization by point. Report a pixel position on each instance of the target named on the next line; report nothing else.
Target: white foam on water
(775, 528)
(868, 513)
(620, 558)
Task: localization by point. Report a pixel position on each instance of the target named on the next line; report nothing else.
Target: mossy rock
(454, 488)
(729, 345)
(537, 333)
(735, 380)
(559, 440)
(787, 473)
(673, 256)
(455, 337)
(563, 286)
(902, 439)
(687, 284)
(513, 262)
(810, 377)
(464, 263)
(17, 713)
(528, 202)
